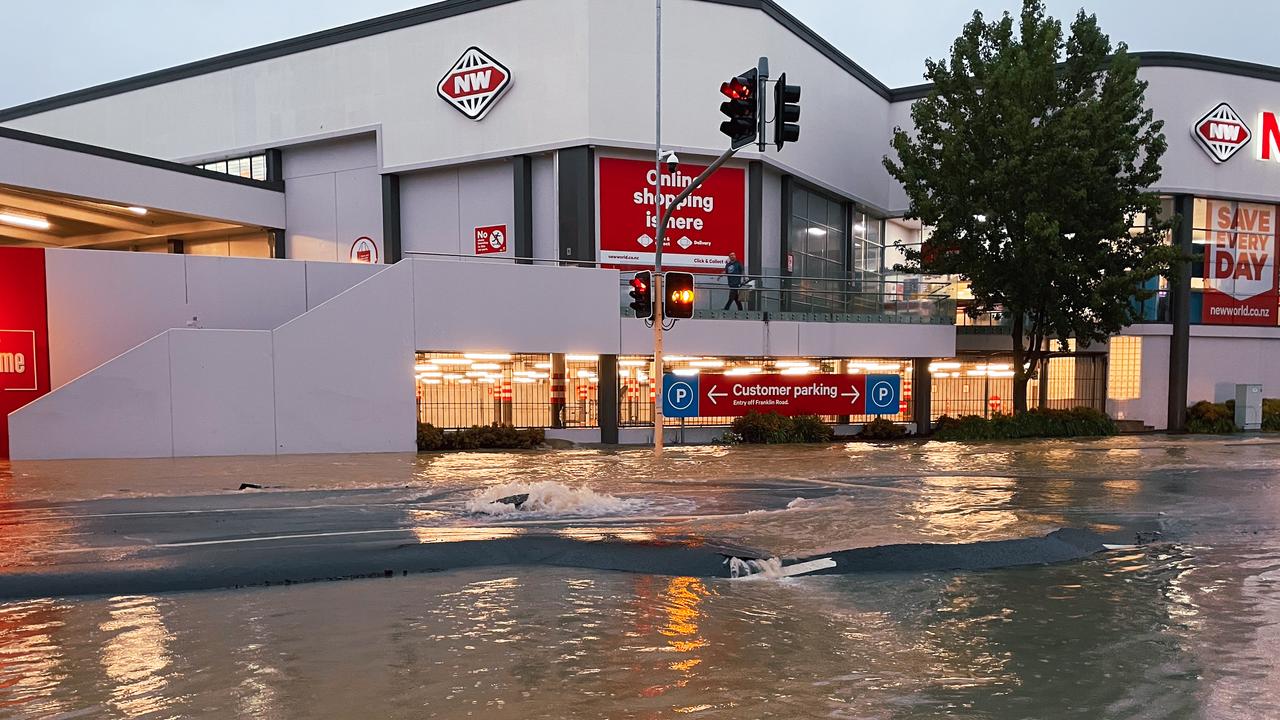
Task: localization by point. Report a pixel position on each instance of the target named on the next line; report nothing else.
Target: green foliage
(1038, 423)
(882, 429)
(479, 437)
(1212, 418)
(811, 429)
(772, 429)
(1031, 159)
(1271, 415)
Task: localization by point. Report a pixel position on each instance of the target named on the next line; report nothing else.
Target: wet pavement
(520, 617)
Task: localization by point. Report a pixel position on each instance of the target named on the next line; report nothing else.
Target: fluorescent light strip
(26, 221)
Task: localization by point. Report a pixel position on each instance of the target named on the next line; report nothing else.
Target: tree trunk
(1019, 372)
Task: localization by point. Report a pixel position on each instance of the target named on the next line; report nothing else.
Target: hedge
(1038, 423)
(479, 437)
(772, 429)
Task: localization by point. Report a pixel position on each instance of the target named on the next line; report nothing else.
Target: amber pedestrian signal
(678, 295)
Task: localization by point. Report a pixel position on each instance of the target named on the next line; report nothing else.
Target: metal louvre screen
(457, 390)
(985, 386)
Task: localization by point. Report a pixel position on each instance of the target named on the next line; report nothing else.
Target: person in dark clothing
(733, 269)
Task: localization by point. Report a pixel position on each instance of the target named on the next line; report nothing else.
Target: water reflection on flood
(1131, 634)
(1188, 627)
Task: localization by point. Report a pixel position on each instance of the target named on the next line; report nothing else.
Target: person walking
(733, 269)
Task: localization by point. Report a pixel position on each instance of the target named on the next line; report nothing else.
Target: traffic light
(786, 109)
(742, 108)
(642, 294)
(678, 295)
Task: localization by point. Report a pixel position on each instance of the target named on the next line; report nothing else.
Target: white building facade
(498, 154)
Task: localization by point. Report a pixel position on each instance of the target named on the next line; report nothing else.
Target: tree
(1030, 159)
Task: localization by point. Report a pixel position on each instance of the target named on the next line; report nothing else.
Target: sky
(55, 46)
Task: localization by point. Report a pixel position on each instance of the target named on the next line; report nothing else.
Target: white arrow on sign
(712, 394)
(853, 395)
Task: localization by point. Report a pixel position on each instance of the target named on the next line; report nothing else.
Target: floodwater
(1184, 625)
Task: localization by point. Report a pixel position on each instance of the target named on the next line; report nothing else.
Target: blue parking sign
(679, 396)
(883, 392)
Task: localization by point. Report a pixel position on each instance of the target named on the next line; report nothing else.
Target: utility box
(1249, 407)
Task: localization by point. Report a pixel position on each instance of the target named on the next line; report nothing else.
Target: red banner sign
(708, 225)
(730, 396)
(1240, 264)
(24, 333)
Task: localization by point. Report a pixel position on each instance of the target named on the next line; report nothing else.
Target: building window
(1124, 370)
(819, 281)
(253, 167)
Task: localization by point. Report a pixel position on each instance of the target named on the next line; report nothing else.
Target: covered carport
(60, 194)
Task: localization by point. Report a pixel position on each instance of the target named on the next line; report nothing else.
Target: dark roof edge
(323, 38)
(451, 8)
(69, 145)
(1148, 58)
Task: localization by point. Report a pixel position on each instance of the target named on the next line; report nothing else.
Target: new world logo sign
(475, 83)
(1221, 133)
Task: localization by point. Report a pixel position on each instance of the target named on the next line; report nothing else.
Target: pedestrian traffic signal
(786, 109)
(678, 295)
(642, 294)
(742, 108)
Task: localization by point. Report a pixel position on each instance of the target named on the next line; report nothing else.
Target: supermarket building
(423, 217)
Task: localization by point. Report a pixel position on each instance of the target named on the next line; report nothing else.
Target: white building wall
(1152, 404)
(1221, 357)
(334, 198)
(222, 392)
(103, 303)
(122, 409)
(344, 371)
(546, 232)
(440, 209)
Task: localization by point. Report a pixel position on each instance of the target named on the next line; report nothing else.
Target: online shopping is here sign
(708, 225)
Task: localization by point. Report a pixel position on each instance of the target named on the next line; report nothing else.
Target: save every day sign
(1240, 264)
(708, 225)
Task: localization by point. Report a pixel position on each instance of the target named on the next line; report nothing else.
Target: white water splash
(549, 499)
(773, 569)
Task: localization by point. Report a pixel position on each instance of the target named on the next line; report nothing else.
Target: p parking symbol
(680, 397)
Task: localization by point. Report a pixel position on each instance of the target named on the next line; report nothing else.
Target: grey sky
(55, 46)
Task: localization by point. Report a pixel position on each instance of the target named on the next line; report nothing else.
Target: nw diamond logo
(474, 83)
(1221, 133)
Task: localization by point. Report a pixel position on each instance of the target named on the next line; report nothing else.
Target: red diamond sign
(474, 83)
(1221, 133)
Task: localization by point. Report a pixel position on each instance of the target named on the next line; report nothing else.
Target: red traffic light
(736, 89)
(639, 284)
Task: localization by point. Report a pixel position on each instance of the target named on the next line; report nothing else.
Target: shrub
(479, 437)
(762, 428)
(772, 429)
(1211, 418)
(1271, 415)
(1076, 422)
(882, 429)
(811, 429)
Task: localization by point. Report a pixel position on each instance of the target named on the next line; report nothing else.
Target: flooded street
(1183, 624)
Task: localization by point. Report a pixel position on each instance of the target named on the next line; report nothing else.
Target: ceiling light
(792, 363)
(543, 365)
(137, 210)
(525, 380)
(451, 361)
(707, 363)
(431, 381)
(817, 231)
(582, 358)
(26, 221)
(859, 227)
(799, 370)
(464, 381)
(586, 374)
(743, 370)
(944, 366)
(633, 363)
(685, 372)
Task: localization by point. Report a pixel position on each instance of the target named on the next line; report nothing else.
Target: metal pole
(658, 371)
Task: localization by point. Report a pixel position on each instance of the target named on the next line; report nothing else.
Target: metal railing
(780, 297)
(790, 297)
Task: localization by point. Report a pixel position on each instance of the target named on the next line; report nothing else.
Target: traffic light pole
(658, 370)
(659, 293)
